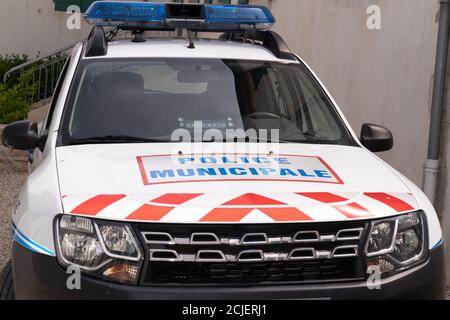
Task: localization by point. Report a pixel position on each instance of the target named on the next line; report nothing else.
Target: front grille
(252, 254)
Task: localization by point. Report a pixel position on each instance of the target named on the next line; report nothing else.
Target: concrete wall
(381, 76)
(33, 27)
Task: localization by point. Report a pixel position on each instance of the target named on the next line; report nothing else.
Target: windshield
(162, 100)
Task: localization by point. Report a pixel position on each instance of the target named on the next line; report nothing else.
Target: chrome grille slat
(216, 240)
(246, 242)
(265, 256)
(164, 255)
(199, 258)
(255, 239)
(147, 235)
(253, 256)
(336, 254)
(341, 238)
(234, 253)
(210, 235)
(301, 237)
(294, 255)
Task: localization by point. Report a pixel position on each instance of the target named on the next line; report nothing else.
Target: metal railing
(41, 73)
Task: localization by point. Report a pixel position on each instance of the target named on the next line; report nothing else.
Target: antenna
(97, 44)
(138, 36)
(191, 43)
(188, 32)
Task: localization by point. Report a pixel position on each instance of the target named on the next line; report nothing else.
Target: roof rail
(269, 39)
(97, 44)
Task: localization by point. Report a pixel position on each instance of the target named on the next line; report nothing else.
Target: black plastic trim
(188, 11)
(376, 138)
(97, 44)
(269, 39)
(21, 135)
(38, 276)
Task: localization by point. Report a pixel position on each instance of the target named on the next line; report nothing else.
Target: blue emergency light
(238, 14)
(110, 12)
(148, 15)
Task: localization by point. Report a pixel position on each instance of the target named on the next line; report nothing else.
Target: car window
(56, 93)
(154, 98)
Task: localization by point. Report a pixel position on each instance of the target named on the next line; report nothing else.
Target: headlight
(397, 244)
(100, 249)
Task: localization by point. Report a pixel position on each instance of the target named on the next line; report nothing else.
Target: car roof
(178, 48)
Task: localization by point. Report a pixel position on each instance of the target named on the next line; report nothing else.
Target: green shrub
(13, 105)
(14, 93)
(8, 62)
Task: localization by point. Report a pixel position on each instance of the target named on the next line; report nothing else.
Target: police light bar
(198, 17)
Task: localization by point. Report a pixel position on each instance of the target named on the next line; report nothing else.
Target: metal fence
(41, 73)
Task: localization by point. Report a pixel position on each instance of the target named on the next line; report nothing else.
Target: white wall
(33, 26)
(382, 76)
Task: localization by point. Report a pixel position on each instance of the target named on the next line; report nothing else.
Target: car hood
(160, 183)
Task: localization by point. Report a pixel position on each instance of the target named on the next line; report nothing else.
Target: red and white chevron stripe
(244, 208)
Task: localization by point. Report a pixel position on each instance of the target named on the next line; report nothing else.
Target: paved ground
(38, 112)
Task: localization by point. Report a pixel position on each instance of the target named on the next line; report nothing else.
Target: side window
(55, 97)
(319, 119)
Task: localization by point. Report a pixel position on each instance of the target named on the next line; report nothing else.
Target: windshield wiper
(244, 140)
(116, 139)
(109, 139)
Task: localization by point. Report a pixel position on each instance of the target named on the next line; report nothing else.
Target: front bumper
(38, 276)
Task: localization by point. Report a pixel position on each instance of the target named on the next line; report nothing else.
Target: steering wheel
(264, 115)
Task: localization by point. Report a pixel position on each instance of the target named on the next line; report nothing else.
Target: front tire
(6, 283)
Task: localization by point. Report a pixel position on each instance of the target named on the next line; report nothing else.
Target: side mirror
(376, 138)
(22, 135)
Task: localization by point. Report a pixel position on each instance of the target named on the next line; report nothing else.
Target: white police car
(185, 168)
